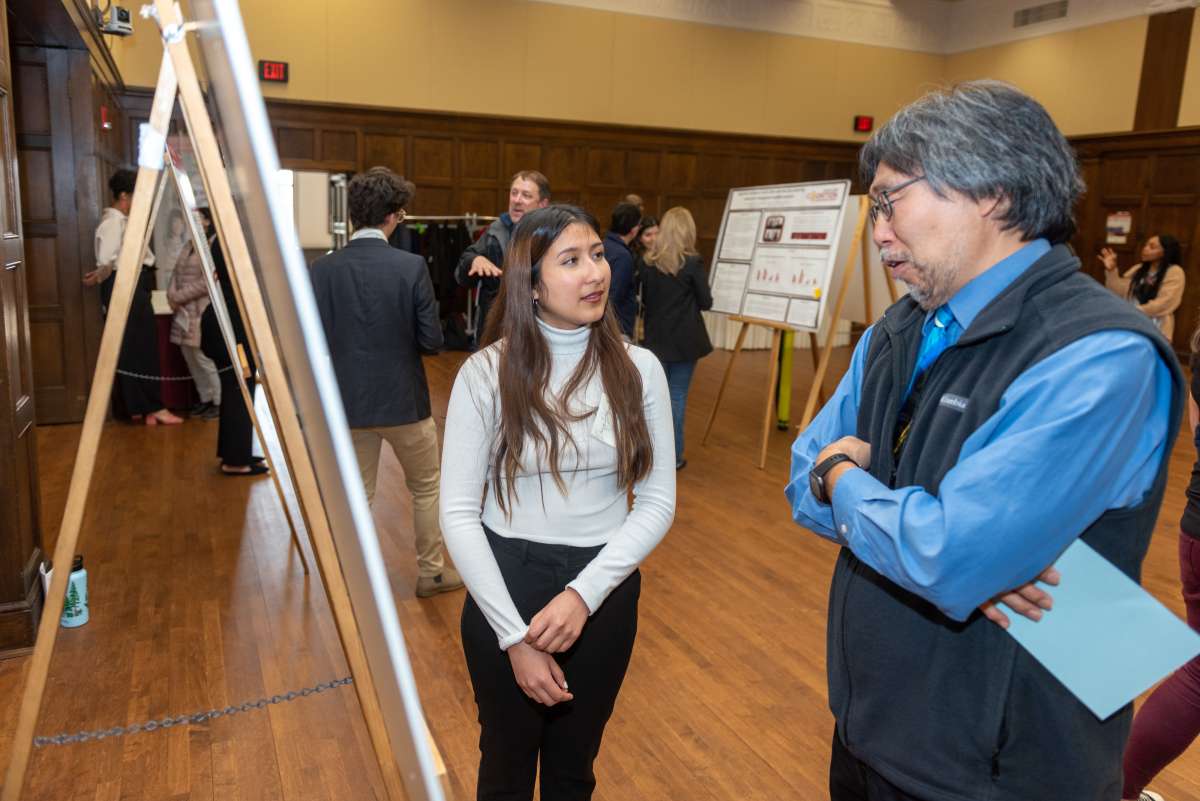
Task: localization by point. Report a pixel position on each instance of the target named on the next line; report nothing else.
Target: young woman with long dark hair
(1155, 285)
(550, 426)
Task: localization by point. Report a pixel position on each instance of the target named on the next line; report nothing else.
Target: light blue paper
(1106, 639)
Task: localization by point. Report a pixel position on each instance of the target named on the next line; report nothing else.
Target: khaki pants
(416, 448)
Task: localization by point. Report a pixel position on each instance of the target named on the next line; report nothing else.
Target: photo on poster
(737, 242)
(808, 227)
(797, 272)
(773, 228)
(728, 286)
(803, 313)
(766, 307)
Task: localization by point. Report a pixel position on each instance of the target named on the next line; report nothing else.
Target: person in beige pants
(416, 448)
(378, 311)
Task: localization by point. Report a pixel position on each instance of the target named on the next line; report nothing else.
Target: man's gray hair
(984, 140)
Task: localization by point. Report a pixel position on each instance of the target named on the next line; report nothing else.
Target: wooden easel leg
(769, 412)
(248, 399)
(810, 408)
(257, 321)
(737, 348)
(128, 268)
(866, 267)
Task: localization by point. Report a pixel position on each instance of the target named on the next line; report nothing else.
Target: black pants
(139, 348)
(235, 435)
(514, 729)
(851, 779)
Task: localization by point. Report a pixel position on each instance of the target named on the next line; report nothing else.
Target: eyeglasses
(882, 205)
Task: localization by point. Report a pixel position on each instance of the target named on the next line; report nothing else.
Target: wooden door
(58, 245)
(20, 540)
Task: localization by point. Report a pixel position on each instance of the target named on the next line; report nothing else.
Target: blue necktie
(941, 332)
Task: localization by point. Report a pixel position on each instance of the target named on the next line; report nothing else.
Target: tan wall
(518, 58)
(524, 59)
(1189, 107)
(1087, 78)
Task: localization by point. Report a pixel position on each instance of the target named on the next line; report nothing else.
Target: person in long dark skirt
(235, 434)
(137, 382)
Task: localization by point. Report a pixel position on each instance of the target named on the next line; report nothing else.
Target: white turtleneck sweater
(593, 511)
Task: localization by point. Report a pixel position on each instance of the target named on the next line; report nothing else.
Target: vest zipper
(853, 562)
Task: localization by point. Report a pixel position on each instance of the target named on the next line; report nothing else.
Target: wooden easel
(820, 365)
(177, 78)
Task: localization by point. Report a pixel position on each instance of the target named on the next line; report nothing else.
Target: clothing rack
(450, 218)
(474, 222)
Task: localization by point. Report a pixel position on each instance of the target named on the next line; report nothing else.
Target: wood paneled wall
(463, 163)
(1155, 177)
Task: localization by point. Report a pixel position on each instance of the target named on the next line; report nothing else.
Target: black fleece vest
(952, 711)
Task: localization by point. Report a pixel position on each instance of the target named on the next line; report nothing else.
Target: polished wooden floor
(197, 602)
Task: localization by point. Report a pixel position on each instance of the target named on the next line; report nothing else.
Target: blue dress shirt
(1078, 433)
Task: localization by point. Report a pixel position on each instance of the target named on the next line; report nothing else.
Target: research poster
(777, 251)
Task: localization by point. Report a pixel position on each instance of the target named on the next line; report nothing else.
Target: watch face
(816, 487)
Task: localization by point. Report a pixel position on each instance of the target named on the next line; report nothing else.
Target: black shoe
(680, 464)
(213, 412)
(199, 409)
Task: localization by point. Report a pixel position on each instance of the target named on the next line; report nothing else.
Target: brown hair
(543, 183)
(376, 193)
(523, 369)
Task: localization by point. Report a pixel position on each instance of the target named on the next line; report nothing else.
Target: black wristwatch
(816, 476)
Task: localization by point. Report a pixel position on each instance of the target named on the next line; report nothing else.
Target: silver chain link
(185, 720)
(128, 374)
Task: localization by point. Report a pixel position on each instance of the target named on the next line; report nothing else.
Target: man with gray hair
(1006, 407)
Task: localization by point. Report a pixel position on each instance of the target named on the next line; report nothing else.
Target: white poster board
(778, 251)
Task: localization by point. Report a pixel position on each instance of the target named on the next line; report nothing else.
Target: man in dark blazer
(379, 314)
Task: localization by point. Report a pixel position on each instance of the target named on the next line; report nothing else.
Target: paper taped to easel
(151, 147)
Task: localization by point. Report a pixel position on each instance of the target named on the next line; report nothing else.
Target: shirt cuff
(591, 598)
(850, 489)
(513, 639)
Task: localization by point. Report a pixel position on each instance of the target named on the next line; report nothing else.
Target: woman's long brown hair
(527, 414)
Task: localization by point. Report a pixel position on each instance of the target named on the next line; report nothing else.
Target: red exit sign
(273, 71)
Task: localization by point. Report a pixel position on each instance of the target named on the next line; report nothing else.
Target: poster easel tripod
(363, 610)
(859, 250)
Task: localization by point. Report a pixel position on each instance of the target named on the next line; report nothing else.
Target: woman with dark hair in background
(235, 433)
(647, 233)
(549, 427)
(674, 291)
(1155, 285)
